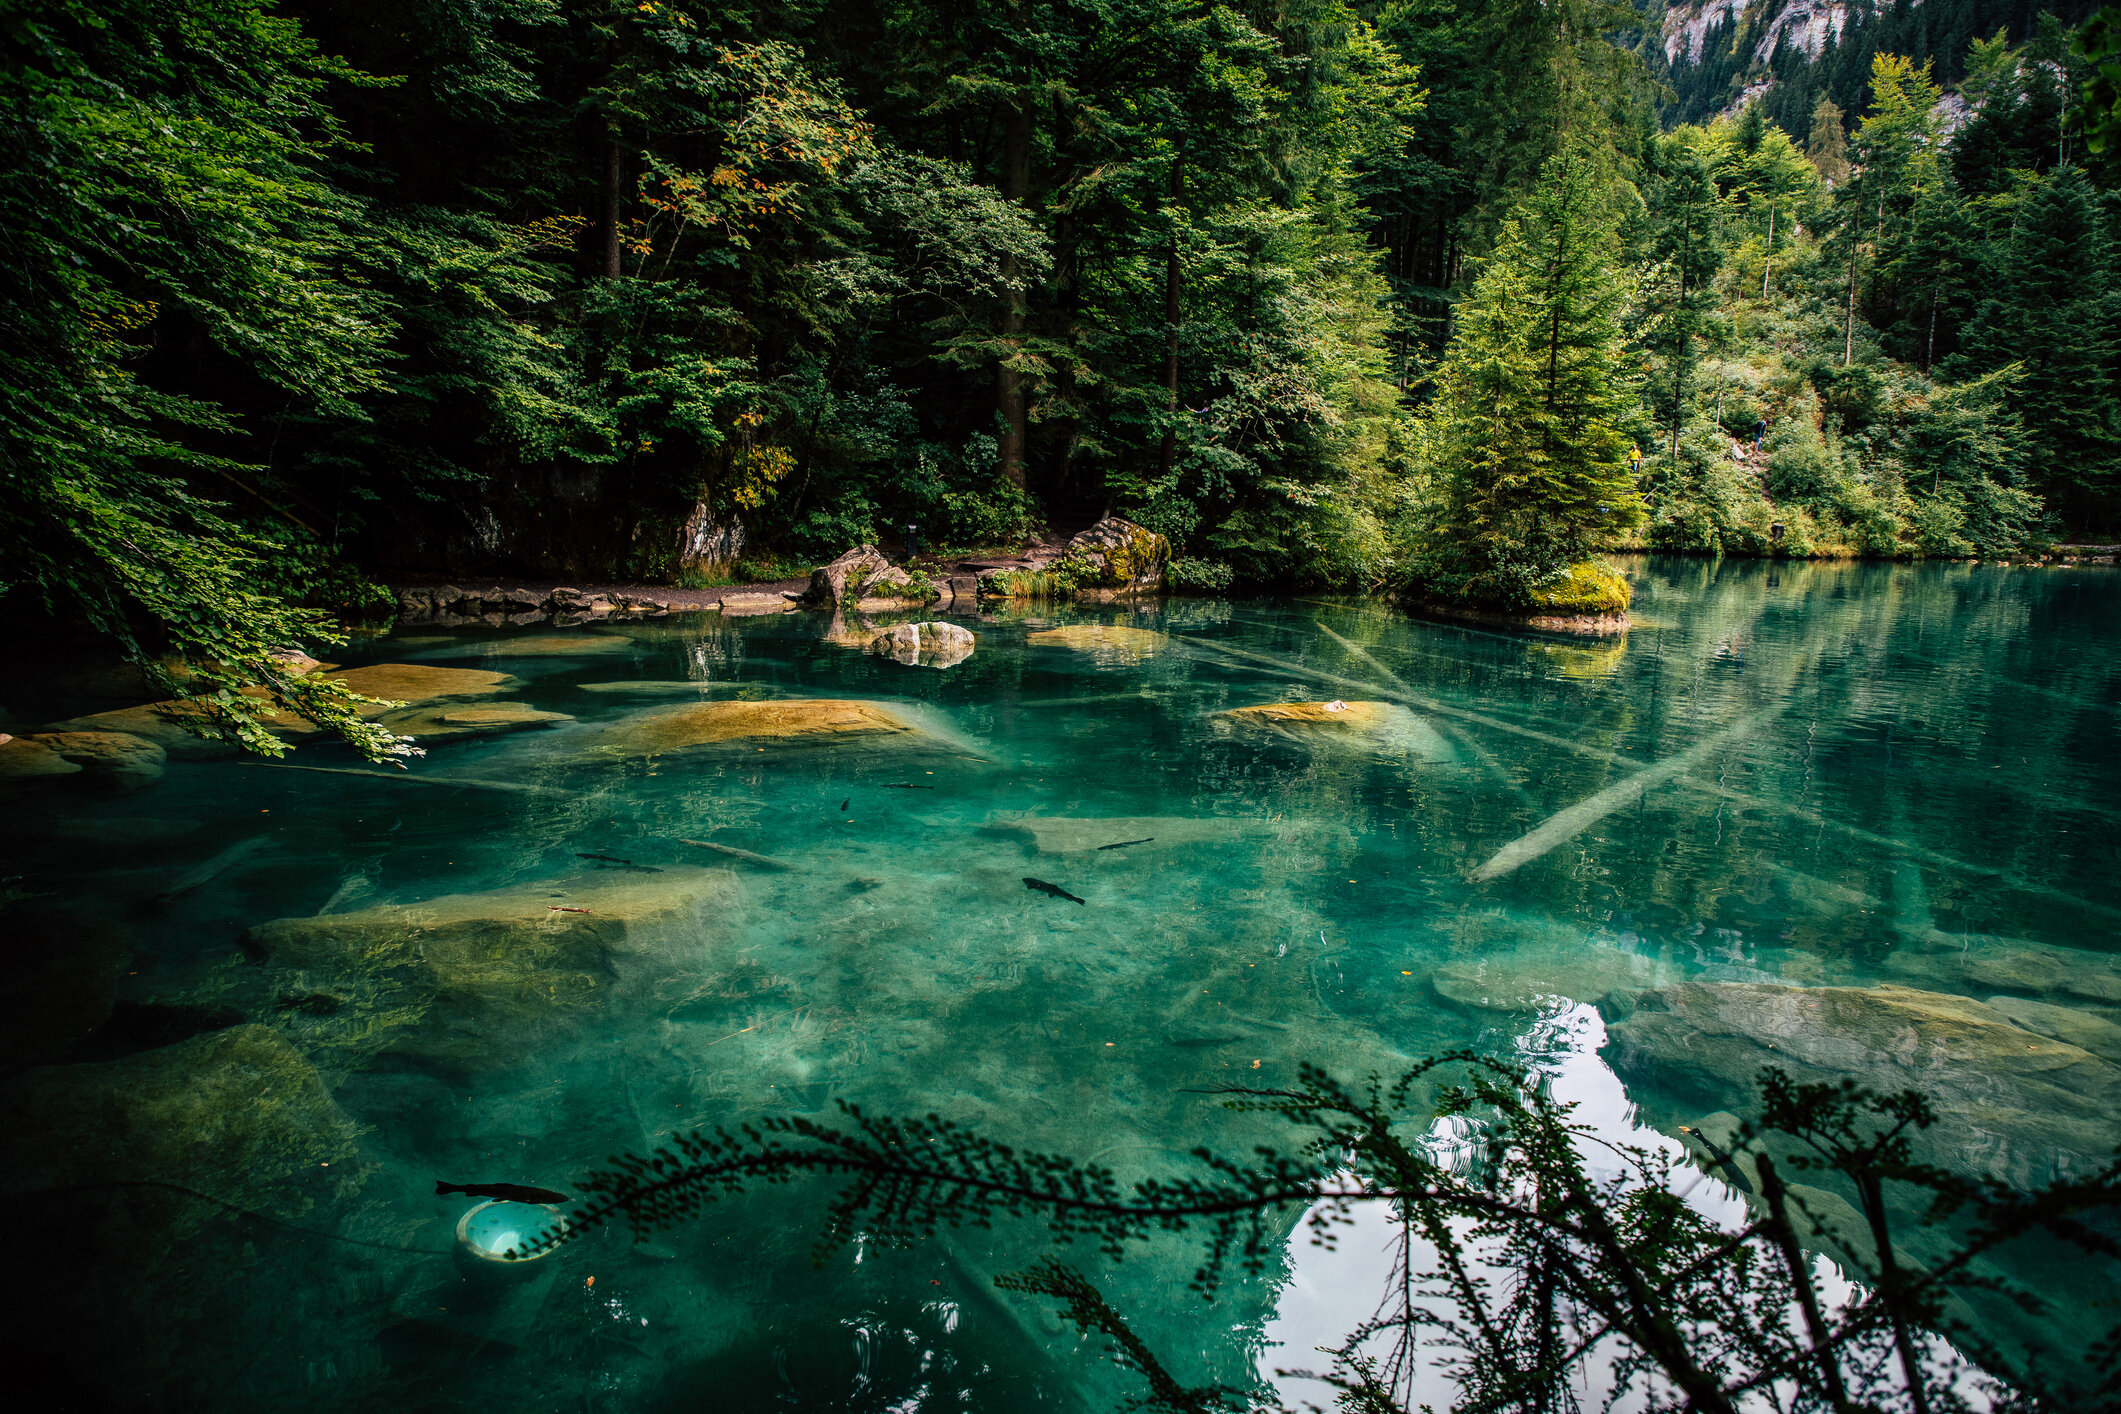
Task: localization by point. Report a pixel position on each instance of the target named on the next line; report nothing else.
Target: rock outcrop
(451, 604)
(2010, 1103)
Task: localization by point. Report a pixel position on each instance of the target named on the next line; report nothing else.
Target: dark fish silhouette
(906, 785)
(501, 1192)
(1722, 1163)
(1124, 843)
(847, 802)
(1054, 889)
(609, 861)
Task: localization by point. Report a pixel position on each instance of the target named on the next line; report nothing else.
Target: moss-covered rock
(1116, 555)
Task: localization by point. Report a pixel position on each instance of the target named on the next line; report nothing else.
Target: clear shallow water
(1855, 760)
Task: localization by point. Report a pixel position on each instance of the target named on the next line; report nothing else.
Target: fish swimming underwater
(608, 861)
(1124, 843)
(501, 1192)
(1054, 889)
(845, 803)
(906, 785)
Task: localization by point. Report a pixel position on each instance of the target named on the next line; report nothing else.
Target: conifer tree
(1525, 440)
(2054, 309)
(1828, 146)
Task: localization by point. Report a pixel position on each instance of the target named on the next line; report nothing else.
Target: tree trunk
(1008, 381)
(1848, 347)
(614, 169)
(1167, 455)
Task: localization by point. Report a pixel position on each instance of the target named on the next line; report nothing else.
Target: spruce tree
(1524, 442)
(2054, 310)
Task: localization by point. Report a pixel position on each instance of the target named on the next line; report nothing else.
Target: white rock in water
(929, 645)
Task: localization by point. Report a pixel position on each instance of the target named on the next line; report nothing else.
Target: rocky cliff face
(1804, 24)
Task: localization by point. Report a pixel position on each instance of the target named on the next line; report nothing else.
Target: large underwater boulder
(1111, 645)
(798, 721)
(484, 980)
(2010, 1103)
(236, 1114)
(1376, 725)
(469, 719)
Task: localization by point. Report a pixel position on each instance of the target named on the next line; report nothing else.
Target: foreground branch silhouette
(1540, 1253)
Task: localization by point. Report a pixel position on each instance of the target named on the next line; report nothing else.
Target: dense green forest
(1419, 293)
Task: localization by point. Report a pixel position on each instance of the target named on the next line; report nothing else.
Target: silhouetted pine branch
(1547, 1248)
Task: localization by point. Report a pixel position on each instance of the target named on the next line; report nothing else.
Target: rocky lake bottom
(661, 874)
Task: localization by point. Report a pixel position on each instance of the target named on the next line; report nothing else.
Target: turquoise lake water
(1861, 775)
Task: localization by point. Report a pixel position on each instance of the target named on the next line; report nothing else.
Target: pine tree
(1525, 441)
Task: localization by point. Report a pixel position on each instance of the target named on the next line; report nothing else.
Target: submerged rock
(1108, 644)
(818, 721)
(114, 758)
(471, 719)
(648, 688)
(2079, 1028)
(2009, 1104)
(1534, 980)
(481, 981)
(24, 762)
(413, 684)
(1377, 724)
(930, 645)
(1974, 963)
(237, 1114)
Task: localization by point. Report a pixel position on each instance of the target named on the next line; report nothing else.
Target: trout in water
(1054, 889)
(501, 1192)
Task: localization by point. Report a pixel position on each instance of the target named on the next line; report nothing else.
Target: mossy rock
(816, 721)
(1588, 587)
(1117, 554)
